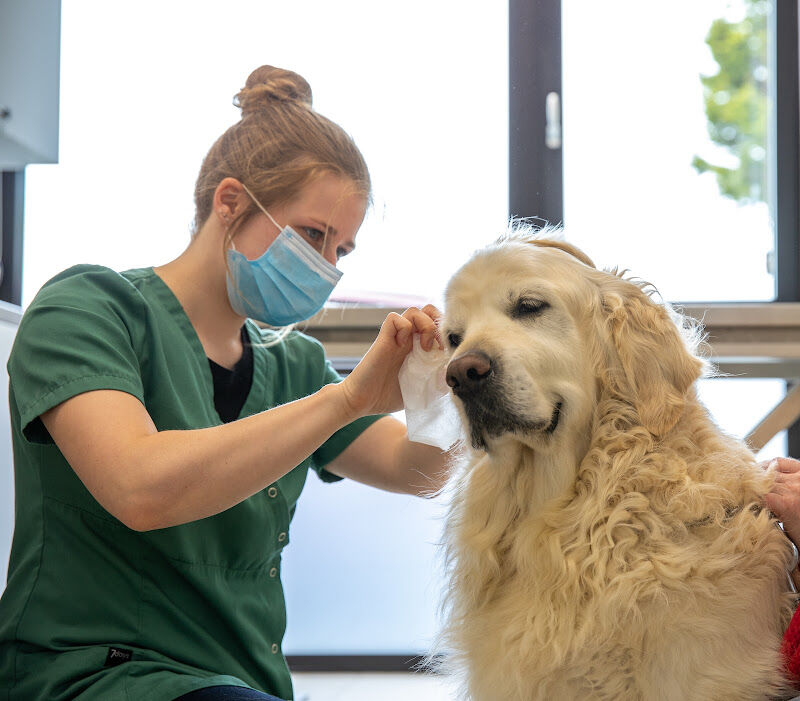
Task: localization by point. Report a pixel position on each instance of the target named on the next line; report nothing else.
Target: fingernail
(773, 464)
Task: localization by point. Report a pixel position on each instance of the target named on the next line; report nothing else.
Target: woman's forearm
(383, 457)
(423, 468)
(183, 476)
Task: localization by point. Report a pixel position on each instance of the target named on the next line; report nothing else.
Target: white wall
(30, 40)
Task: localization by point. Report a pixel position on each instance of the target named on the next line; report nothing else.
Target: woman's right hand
(372, 387)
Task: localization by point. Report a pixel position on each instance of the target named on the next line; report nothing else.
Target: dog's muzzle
(476, 379)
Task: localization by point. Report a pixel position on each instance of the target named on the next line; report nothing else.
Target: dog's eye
(453, 339)
(528, 308)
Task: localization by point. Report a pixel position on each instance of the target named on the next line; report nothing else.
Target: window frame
(786, 203)
(12, 193)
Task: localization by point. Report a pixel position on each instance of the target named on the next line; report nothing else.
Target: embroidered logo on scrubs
(117, 656)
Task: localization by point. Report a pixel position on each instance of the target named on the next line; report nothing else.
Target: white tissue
(431, 415)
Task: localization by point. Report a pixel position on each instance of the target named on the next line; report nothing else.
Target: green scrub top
(93, 609)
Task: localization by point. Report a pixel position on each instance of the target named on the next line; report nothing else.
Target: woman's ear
(229, 199)
(657, 366)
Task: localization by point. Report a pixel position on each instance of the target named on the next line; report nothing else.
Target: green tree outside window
(736, 102)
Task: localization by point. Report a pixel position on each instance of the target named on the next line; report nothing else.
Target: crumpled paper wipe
(431, 415)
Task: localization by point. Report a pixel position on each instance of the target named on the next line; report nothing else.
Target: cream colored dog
(605, 539)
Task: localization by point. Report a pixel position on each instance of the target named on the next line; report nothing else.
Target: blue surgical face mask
(290, 282)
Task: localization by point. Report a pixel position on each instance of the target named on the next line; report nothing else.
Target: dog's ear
(657, 367)
(568, 248)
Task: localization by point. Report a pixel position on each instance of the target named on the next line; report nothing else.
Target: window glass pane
(363, 574)
(739, 404)
(666, 117)
(421, 86)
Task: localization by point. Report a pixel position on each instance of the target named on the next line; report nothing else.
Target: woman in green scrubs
(162, 439)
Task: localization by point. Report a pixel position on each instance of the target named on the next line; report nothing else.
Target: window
(666, 150)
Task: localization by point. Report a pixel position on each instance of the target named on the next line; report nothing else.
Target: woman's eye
(453, 339)
(528, 308)
(314, 234)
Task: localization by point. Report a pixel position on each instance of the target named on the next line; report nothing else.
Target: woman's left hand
(372, 387)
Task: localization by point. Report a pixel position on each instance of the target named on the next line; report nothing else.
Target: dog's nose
(469, 372)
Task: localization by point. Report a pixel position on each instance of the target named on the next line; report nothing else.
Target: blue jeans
(227, 693)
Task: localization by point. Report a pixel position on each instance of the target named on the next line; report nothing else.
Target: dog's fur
(625, 553)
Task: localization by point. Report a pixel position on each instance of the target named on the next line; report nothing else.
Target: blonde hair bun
(267, 85)
(279, 146)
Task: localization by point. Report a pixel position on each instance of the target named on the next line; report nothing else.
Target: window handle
(552, 113)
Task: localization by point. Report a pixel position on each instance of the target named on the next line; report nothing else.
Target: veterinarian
(162, 439)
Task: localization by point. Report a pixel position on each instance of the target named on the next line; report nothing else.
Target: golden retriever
(605, 539)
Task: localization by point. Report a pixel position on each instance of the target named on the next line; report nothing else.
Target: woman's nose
(330, 255)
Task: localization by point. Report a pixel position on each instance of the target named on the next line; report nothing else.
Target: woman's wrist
(338, 393)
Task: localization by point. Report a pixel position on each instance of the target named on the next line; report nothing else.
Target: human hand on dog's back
(783, 498)
(373, 386)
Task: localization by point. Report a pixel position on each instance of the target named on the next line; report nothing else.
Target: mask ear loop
(226, 223)
(233, 247)
(259, 205)
(278, 226)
